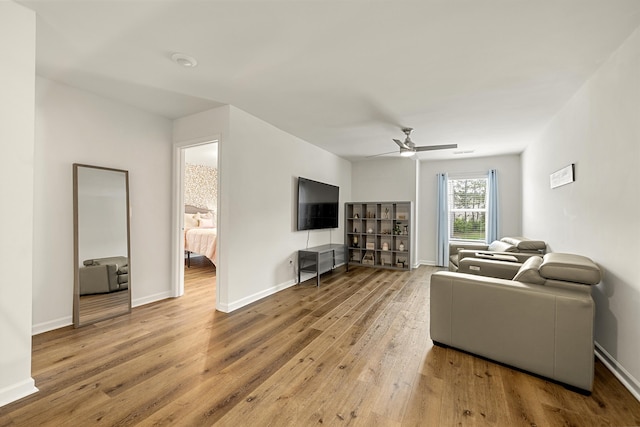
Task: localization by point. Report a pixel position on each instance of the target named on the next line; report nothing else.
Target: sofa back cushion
(529, 272)
(498, 246)
(524, 244)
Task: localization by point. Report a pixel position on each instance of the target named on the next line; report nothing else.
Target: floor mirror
(102, 262)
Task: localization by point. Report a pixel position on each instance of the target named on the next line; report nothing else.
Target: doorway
(195, 210)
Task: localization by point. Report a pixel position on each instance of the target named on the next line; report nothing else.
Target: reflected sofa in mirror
(102, 279)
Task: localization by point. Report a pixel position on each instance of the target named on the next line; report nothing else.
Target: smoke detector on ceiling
(184, 60)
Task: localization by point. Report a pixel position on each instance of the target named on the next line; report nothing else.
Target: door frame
(177, 220)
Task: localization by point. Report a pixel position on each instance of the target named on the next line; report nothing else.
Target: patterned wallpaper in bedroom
(200, 186)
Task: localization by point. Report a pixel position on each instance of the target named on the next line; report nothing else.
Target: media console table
(321, 259)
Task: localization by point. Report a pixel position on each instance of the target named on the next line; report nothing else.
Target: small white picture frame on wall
(564, 176)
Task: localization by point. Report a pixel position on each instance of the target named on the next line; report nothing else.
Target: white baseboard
(427, 262)
(226, 308)
(151, 298)
(17, 391)
(51, 325)
(628, 380)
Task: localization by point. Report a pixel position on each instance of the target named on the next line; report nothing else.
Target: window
(467, 208)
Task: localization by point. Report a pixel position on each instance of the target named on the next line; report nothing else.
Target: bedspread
(202, 241)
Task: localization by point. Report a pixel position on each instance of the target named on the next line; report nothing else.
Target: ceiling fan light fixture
(405, 152)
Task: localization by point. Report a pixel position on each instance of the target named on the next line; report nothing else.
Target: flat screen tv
(317, 205)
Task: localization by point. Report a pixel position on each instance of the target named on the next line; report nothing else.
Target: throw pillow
(205, 223)
(190, 221)
(529, 272)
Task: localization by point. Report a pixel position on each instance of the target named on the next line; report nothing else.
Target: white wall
(258, 169)
(73, 126)
(509, 201)
(598, 214)
(389, 179)
(384, 179)
(17, 74)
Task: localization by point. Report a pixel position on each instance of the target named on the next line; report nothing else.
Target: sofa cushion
(570, 268)
(498, 246)
(529, 273)
(524, 244)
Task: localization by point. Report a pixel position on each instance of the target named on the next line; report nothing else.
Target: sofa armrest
(456, 247)
(519, 256)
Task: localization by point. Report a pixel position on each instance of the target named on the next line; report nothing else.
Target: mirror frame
(76, 252)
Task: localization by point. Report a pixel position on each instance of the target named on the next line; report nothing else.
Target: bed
(200, 233)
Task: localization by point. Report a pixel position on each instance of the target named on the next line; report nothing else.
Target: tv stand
(321, 259)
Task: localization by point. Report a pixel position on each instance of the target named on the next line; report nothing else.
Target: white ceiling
(344, 75)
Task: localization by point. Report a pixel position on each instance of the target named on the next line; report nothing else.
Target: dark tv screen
(317, 205)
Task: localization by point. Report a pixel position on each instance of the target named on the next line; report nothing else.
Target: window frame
(452, 211)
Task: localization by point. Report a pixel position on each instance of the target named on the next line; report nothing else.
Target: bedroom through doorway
(200, 200)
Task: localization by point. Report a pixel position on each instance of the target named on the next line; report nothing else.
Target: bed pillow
(190, 221)
(205, 223)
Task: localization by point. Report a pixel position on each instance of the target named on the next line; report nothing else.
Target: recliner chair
(104, 275)
(540, 322)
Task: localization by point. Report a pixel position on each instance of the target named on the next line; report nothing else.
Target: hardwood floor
(355, 351)
(100, 306)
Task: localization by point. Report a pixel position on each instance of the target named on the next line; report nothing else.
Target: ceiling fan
(408, 148)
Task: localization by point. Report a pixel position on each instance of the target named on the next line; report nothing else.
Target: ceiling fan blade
(436, 147)
(382, 154)
(401, 144)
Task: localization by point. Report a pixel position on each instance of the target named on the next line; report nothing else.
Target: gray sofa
(519, 245)
(104, 275)
(540, 322)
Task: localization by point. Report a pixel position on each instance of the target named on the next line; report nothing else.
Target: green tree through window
(467, 208)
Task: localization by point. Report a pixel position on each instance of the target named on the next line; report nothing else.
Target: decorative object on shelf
(405, 232)
(370, 245)
(396, 228)
(402, 216)
(401, 246)
(385, 246)
(356, 216)
(355, 230)
(355, 241)
(367, 259)
(386, 213)
(370, 230)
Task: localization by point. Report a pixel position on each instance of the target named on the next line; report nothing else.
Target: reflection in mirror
(102, 281)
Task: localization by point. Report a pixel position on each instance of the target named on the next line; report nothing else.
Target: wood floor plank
(353, 352)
